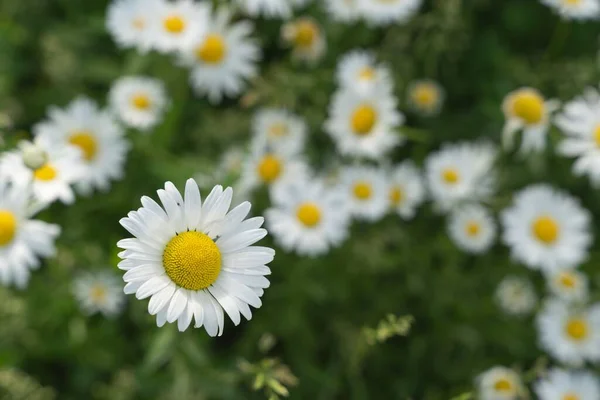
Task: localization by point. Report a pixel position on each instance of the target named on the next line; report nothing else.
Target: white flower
(99, 292)
(377, 12)
(308, 218)
(223, 60)
(525, 109)
(569, 285)
(425, 96)
(547, 229)
(359, 71)
(364, 125)
(516, 296)
(472, 228)
(406, 190)
(366, 189)
(128, 21)
(34, 156)
(306, 38)
(461, 173)
(499, 383)
(575, 9)
(279, 130)
(342, 10)
(570, 334)
(95, 134)
(270, 8)
(195, 260)
(22, 240)
(232, 163)
(561, 384)
(139, 102)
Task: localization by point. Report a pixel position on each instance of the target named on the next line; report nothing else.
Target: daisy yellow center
(212, 50)
(450, 176)
(571, 2)
(309, 214)
(45, 173)
(306, 33)
(425, 95)
(192, 260)
(98, 294)
(577, 329)
(362, 191)
(503, 385)
(141, 101)
(597, 136)
(571, 396)
(567, 280)
(269, 168)
(278, 130)
(545, 229)
(363, 119)
(138, 23)
(529, 106)
(473, 228)
(8, 227)
(396, 195)
(174, 24)
(86, 142)
(367, 74)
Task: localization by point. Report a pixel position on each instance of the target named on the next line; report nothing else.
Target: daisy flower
(308, 218)
(223, 60)
(364, 125)
(195, 259)
(99, 292)
(139, 102)
(569, 285)
(278, 129)
(377, 12)
(472, 228)
(526, 109)
(127, 21)
(23, 241)
(575, 9)
(306, 38)
(560, 384)
(425, 96)
(342, 10)
(547, 229)
(569, 334)
(516, 296)
(271, 8)
(95, 133)
(406, 190)
(461, 173)
(366, 189)
(499, 383)
(359, 71)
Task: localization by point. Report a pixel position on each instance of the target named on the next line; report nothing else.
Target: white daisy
(128, 20)
(95, 133)
(569, 285)
(385, 12)
(364, 125)
(231, 163)
(575, 9)
(526, 109)
(425, 96)
(499, 383)
(22, 240)
(271, 8)
(516, 296)
(570, 334)
(307, 39)
(195, 260)
(139, 102)
(278, 129)
(461, 173)
(472, 228)
(560, 384)
(99, 292)
(366, 189)
(359, 71)
(547, 229)
(223, 60)
(342, 10)
(406, 190)
(308, 218)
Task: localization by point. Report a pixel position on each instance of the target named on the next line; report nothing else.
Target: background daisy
(406, 190)
(139, 102)
(516, 296)
(366, 190)
(99, 292)
(472, 228)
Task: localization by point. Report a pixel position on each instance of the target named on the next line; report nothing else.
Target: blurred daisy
(378, 12)
(516, 296)
(279, 129)
(270, 8)
(472, 228)
(560, 384)
(547, 229)
(569, 334)
(308, 218)
(128, 20)
(22, 240)
(461, 173)
(306, 38)
(139, 102)
(405, 189)
(99, 292)
(499, 383)
(95, 133)
(569, 285)
(359, 71)
(425, 96)
(526, 109)
(177, 25)
(231, 164)
(575, 9)
(367, 191)
(364, 125)
(224, 59)
(195, 260)
(342, 10)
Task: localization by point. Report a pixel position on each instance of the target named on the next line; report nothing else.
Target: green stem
(558, 40)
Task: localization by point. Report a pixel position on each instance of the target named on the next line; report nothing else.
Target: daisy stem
(558, 40)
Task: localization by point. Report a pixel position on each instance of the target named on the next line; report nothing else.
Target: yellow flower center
(503, 385)
(567, 280)
(425, 95)
(367, 74)
(571, 396)
(363, 119)
(269, 168)
(45, 173)
(473, 228)
(174, 24)
(571, 2)
(98, 294)
(278, 129)
(597, 136)
(309, 214)
(8, 227)
(306, 33)
(141, 101)
(529, 106)
(396, 195)
(577, 329)
(192, 260)
(545, 229)
(450, 176)
(213, 50)
(86, 142)
(138, 23)
(362, 190)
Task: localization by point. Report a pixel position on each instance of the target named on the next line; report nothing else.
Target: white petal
(177, 304)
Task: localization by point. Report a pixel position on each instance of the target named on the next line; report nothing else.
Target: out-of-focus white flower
(406, 190)
(278, 130)
(568, 284)
(516, 296)
(306, 38)
(359, 71)
(472, 228)
(139, 102)
(499, 383)
(366, 189)
(425, 96)
(561, 384)
(377, 12)
(99, 292)
(575, 9)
